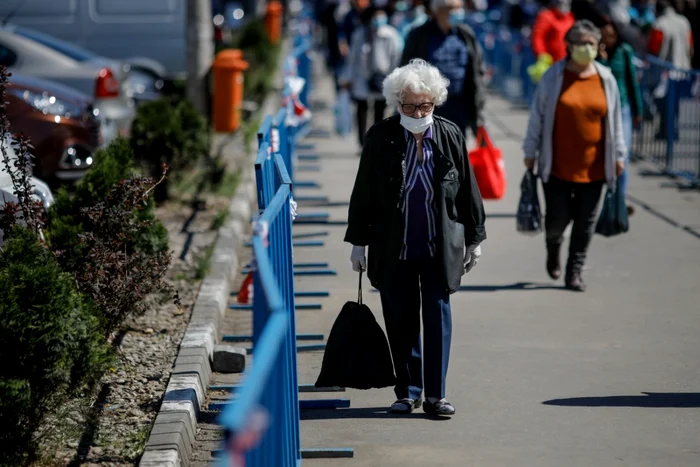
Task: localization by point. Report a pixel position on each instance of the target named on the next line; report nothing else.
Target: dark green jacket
(621, 63)
(375, 217)
(474, 89)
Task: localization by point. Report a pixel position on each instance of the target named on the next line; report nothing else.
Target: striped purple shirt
(419, 210)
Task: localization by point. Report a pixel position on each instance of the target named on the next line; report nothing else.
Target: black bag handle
(359, 290)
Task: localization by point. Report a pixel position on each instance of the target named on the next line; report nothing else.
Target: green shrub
(112, 164)
(51, 342)
(172, 132)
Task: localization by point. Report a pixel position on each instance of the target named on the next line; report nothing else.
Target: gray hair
(419, 77)
(435, 4)
(580, 28)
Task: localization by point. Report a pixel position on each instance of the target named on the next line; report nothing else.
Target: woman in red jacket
(550, 28)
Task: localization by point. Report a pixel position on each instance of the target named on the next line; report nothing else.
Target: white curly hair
(419, 77)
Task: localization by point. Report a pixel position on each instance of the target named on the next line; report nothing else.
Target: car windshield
(66, 48)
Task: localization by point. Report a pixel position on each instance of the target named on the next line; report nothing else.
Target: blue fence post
(670, 109)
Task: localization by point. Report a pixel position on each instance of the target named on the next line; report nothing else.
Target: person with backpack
(446, 42)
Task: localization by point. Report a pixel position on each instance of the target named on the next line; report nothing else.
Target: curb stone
(172, 437)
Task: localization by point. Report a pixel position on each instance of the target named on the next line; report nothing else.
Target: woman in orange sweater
(575, 136)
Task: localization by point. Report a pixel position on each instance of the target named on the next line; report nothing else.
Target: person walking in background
(450, 45)
(549, 29)
(417, 205)
(619, 57)
(671, 37)
(416, 15)
(575, 138)
(351, 20)
(375, 51)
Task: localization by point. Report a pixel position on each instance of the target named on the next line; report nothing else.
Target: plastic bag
(529, 216)
(613, 217)
(540, 67)
(343, 113)
(489, 170)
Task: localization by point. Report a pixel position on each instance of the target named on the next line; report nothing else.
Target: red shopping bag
(489, 170)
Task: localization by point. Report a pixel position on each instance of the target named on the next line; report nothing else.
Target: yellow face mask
(583, 54)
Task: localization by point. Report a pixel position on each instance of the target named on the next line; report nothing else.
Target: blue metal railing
(669, 134)
(272, 381)
(270, 388)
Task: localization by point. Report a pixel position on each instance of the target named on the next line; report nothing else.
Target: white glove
(472, 257)
(358, 259)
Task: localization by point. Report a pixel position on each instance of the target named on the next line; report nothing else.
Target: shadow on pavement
(363, 413)
(515, 286)
(649, 399)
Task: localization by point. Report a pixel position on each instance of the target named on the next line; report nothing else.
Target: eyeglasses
(410, 109)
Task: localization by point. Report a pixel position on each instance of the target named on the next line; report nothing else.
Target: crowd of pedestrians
(416, 204)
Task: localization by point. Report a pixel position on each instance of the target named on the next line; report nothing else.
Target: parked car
(145, 77)
(41, 190)
(60, 122)
(153, 29)
(102, 79)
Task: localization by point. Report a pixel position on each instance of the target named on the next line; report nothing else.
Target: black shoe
(575, 283)
(441, 408)
(553, 263)
(406, 406)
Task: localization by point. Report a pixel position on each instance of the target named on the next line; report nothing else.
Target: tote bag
(489, 170)
(613, 217)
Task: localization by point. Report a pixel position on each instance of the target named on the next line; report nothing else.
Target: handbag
(487, 164)
(529, 216)
(613, 218)
(357, 352)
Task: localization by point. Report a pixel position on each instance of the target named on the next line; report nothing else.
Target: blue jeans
(627, 131)
(416, 283)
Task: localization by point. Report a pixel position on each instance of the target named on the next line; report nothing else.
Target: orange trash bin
(228, 70)
(273, 21)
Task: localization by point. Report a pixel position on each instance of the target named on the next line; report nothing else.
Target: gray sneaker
(441, 408)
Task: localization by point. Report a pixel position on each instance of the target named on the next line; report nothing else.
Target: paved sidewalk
(539, 376)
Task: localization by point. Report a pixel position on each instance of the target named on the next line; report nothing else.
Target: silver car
(103, 79)
(145, 78)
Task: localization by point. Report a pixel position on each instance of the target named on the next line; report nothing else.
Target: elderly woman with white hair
(417, 206)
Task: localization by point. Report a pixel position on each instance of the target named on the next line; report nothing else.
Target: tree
(200, 51)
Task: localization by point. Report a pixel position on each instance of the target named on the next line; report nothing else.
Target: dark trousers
(417, 283)
(362, 108)
(567, 202)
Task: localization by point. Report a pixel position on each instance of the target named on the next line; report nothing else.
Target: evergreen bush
(51, 341)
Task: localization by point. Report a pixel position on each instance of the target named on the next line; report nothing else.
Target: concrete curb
(172, 437)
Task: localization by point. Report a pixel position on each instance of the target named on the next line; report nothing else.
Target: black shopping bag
(357, 353)
(529, 216)
(613, 217)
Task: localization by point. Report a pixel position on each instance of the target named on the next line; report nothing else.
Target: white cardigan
(538, 140)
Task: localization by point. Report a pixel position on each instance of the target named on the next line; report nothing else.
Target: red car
(59, 121)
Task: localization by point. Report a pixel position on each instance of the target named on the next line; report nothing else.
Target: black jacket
(375, 217)
(474, 89)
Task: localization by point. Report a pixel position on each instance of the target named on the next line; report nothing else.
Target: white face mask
(416, 125)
